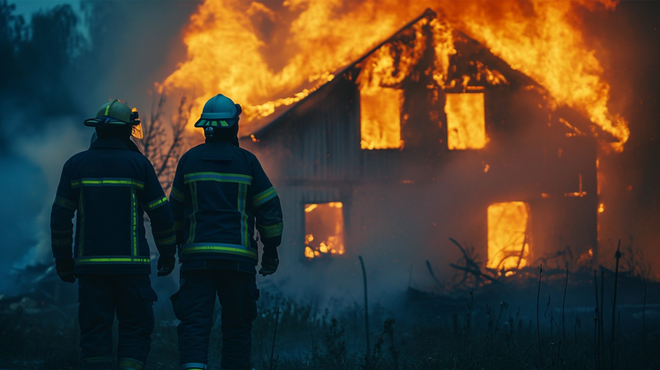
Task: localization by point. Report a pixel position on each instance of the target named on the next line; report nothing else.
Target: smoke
(130, 45)
(59, 66)
(623, 41)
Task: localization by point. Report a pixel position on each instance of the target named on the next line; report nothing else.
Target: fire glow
(228, 53)
(466, 125)
(324, 229)
(508, 241)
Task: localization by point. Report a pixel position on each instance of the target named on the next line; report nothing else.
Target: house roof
(260, 127)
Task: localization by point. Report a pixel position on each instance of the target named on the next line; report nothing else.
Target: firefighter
(220, 193)
(109, 187)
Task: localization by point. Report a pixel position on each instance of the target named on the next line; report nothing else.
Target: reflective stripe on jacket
(110, 187)
(219, 191)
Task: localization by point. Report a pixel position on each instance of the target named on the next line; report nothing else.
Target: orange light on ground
(508, 241)
(466, 121)
(380, 117)
(324, 229)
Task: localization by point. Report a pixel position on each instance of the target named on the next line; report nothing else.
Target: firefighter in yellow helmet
(220, 194)
(108, 188)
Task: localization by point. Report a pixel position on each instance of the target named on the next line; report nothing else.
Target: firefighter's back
(109, 181)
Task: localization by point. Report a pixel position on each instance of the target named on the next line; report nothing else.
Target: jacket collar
(108, 143)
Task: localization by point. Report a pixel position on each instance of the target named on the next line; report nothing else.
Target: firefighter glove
(64, 268)
(269, 261)
(165, 265)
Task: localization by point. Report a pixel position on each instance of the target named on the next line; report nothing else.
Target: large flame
(233, 48)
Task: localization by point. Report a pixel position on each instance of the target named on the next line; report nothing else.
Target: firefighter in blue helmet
(109, 187)
(220, 194)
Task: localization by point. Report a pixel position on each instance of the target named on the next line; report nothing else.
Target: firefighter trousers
(130, 298)
(193, 305)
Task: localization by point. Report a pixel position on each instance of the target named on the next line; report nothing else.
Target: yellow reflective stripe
(164, 232)
(130, 364)
(134, 228)
(62, 242)
(107, 182)
(61, 201)
(113, 260)
(156, 203)
(66, 232)
(170, 240)
(217, 176)
(271, 231)
(242, 200)
(176, 194)
(264, 197)
(218, 248)
(81, 231)
(193, 218)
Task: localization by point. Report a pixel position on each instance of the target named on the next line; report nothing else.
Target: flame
(324, 228)
(466, 121)
(383, 72)
(229, 51)
(586, 258)
(549, 48)
(508, 241)
(380, 118)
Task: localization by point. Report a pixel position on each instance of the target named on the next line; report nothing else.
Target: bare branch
(164, 141)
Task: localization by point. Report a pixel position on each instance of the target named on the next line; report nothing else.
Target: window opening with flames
(509, 240)
(466, 121)
(380, 117)
(324, 230)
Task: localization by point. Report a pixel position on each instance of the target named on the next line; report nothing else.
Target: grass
(513, 330)
(475, 336)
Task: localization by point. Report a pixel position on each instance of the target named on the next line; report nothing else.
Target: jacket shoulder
(76, 158)
(193, 151)
(245, 154)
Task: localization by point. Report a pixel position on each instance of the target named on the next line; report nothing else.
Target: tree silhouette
(164, 138)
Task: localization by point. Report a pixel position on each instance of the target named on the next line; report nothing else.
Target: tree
(164, 140)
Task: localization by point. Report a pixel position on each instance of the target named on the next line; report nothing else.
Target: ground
(469, 333)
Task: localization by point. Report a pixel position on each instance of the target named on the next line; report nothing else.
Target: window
(380, 117)
(324, 230)
(509, 241)
(466, 121)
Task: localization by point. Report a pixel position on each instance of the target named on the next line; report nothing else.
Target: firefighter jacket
(110, 187)
(220, 193)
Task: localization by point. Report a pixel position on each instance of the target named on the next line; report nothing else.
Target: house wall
(402, 206)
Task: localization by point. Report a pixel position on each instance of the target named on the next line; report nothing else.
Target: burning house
(426, 137)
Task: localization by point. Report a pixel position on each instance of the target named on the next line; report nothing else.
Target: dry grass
(474, 336)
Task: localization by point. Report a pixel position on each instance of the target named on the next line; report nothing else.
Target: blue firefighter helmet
(220, 112)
